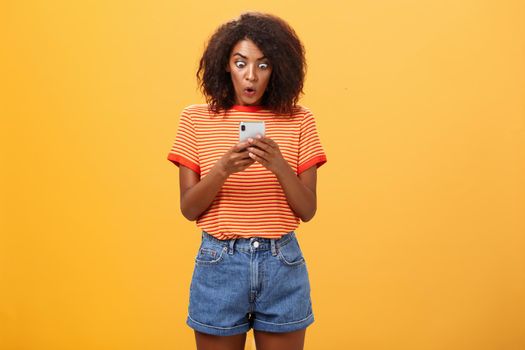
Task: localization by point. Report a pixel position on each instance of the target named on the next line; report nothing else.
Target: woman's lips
(249, 92)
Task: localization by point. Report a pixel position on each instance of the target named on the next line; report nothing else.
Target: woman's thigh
(217, 342)
(279, 341)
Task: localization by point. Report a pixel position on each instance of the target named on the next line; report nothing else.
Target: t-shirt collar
(248, 108)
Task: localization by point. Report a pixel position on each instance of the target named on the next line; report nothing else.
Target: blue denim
(244, 283)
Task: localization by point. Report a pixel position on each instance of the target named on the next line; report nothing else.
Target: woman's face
(250, 72)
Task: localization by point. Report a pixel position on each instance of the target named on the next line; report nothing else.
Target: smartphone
(250, 129)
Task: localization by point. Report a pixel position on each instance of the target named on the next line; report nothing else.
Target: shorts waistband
(252, 243)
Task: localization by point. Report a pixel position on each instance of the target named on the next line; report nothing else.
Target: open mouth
(249, 91)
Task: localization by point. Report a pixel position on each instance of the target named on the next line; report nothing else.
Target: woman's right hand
(235, 159)
(198, 193)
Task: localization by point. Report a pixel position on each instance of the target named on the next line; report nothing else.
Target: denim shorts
(244, 283)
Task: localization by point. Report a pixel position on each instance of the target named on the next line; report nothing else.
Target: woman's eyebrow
(239, 54)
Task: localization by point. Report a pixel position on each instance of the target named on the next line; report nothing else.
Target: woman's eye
(240, 64)
(263, 65)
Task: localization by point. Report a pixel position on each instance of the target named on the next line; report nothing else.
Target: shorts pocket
(210, 254)
(290, 254)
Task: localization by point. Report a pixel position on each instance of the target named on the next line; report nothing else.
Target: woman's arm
(300, 190)
(196, 194)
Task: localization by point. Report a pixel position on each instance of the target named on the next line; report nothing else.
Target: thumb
(240, 146)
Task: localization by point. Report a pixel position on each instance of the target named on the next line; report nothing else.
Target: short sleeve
(310, 149)
(184, 149)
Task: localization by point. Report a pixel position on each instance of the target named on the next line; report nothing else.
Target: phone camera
(243, 127)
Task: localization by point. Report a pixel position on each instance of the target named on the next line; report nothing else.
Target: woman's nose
(250, 74)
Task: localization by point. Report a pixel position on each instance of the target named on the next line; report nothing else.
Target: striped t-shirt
(251, 202)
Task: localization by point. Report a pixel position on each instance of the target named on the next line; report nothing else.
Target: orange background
(419, 238)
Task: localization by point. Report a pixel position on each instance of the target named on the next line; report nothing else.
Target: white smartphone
(250, 129)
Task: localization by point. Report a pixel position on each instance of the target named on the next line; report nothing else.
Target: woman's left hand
(266, 152)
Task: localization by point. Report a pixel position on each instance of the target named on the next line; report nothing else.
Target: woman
(248, 197)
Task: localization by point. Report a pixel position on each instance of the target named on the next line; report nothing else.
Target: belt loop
(231, 243)
(273, 246)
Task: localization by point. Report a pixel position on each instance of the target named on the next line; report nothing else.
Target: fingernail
(259, 136)
(250, 140)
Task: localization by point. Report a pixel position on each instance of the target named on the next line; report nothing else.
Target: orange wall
(418, 241)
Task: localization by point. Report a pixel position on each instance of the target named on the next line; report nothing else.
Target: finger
(247, 159)
(238, 149)
(240, 146)
(259, 143)
(258, 158)
(244, 158)
(271, 142)
(257, 151)
(245, 163)
(242, 155)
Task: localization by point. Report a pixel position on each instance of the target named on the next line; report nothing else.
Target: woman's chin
(249, 102)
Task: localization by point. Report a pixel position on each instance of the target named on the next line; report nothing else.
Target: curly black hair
(277, 41)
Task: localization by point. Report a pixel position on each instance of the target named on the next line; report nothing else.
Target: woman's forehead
(247, 49)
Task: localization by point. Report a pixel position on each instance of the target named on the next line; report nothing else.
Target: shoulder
(196, 113)
(201, 108)
(303, 113)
